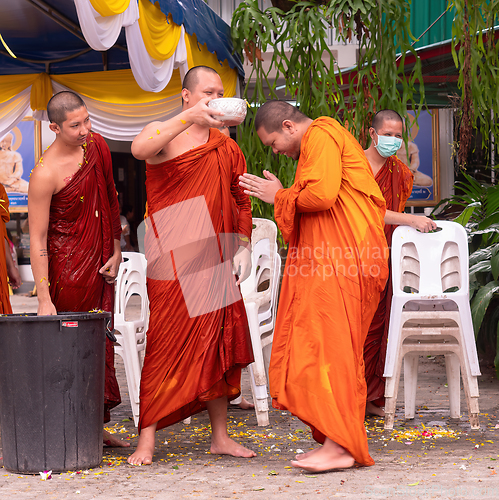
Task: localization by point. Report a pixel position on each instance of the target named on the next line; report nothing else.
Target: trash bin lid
(61, 316)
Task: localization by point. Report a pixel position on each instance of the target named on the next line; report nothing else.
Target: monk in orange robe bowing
(336, 267)
(198, 231)
(395, 181)
(75, 226)
(8, 270)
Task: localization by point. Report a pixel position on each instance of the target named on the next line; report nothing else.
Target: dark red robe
(5, 307)
(191, 359)
(84, 222)
(395, 182)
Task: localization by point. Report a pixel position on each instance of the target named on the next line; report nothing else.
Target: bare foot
(327, 457)
(301, 456)
(245, 404)
(372, 409)
(113, 441)
(145, 449)
(226, 446)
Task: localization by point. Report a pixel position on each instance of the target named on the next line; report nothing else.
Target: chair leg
(257, 369)
(470, 386)
(267, 351)
(453, 370)
(260, 399)
(259, 364)
(410, 383)
(391, 391)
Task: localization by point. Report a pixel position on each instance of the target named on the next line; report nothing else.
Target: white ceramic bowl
(234, 110)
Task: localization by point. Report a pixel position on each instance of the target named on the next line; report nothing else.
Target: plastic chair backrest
(263, 250)
(429, 264)
(131, 280)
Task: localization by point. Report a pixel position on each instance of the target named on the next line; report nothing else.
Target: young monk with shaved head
(336, 267)
(195, 348)
(74, 225)
(395, 181)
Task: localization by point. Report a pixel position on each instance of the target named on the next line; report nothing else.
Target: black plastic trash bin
(52, 391)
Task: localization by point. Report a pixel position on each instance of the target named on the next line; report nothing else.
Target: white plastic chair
(261, 308)
(131, 333)
(141, 230)
(430, 314)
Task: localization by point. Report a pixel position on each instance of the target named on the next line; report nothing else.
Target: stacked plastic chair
(430, 314)
(131, 333)
(260, 292)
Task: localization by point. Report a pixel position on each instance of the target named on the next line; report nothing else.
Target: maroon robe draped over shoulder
(193, 358)
(5, 307)
(395, 181)
(84, 222)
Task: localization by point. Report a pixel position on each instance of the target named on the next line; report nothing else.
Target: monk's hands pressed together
(241, 264)
(423, 224)
(265, 189)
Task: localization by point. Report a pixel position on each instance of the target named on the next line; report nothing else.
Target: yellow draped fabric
(160, 34)
(110, 7)
(41, 92)
(11, 85)
(117, 87)
(198, 55)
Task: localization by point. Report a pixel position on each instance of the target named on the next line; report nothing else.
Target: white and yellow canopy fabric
(101, 21)
(155, 43)
(120, 102)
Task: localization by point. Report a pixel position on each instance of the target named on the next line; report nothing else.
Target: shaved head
(272, 113)
(193, 76)
(385, 114)
(61, 104)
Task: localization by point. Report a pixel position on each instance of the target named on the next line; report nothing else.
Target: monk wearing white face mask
(395, 181)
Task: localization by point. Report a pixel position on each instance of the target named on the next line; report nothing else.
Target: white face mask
(387, 146)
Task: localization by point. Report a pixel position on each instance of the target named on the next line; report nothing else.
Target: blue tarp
(36, 39)
(210, 29)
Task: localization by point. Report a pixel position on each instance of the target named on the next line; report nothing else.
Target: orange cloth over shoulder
(332, 217)
(5, 307)
(395, 181)
(197, 217)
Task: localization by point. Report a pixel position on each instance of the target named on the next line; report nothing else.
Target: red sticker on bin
(70, 324)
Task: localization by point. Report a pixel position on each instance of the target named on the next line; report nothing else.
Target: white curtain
(14, 110)
(153, 75)
(101, 32)
(122, 122)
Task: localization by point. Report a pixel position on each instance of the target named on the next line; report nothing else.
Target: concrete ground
(432, 456)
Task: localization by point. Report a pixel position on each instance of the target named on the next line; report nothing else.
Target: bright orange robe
(332, 217)
(5, 307)
(395, 182)
(191, 360)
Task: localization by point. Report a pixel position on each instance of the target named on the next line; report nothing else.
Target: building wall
(345, 53)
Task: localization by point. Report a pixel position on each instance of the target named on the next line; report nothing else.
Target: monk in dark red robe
(8, 269)
(75, 226)
(84, 222)
(198, 231)
(395, 181)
